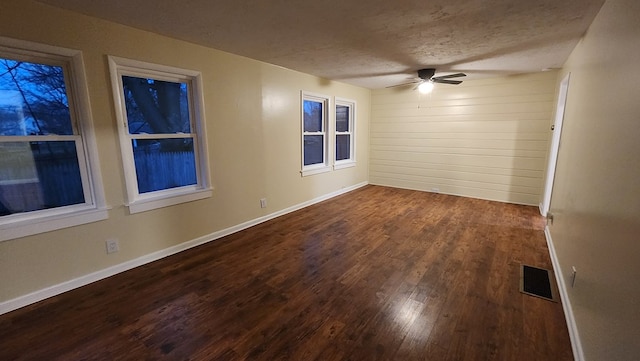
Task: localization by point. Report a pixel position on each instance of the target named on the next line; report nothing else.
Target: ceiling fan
(427, 79)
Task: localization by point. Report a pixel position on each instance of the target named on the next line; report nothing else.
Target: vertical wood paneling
(485, 138)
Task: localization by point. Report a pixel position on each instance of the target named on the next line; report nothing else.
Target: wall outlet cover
(112, 246)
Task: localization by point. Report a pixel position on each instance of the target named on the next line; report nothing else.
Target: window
(161, 129)
(314, 134)
(49, 176)
(344, 132)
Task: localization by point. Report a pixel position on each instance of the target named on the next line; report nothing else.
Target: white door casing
(554, 146)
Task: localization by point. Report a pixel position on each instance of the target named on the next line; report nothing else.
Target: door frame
(554, 147)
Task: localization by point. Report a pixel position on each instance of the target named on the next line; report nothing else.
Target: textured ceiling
(370, 43)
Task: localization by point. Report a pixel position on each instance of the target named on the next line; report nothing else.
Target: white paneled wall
(485, 138)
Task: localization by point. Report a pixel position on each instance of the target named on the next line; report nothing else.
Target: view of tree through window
(159, 124)
(39, 166)
(34, 99)
(156, 107)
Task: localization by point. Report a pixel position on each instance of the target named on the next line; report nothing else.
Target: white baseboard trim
(576, 344)
(19, 302)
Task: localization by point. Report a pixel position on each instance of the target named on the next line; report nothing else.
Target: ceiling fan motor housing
(426, 74)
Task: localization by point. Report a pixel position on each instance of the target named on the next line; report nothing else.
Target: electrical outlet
(435, 190)
(263, 203)
(112, 246)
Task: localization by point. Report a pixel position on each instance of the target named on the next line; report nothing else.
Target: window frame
(351, 161)
(325, 133)
(141, 202)
(94, 207)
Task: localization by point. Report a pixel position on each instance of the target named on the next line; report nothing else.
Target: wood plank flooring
(376, 274)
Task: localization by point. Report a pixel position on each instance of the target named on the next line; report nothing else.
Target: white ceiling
(369, 43)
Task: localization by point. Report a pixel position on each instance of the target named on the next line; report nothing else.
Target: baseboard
(576, 344)
(19, 302)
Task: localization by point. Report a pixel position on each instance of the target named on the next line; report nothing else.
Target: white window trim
(137, 202)
(94, 209)
(328, 142)
(351, 162)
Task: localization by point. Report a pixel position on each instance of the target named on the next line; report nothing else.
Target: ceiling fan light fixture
(427, 79)
(425, 87)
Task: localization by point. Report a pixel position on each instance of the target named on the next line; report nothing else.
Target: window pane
(33, 99)
(313, 149)
(155, 106)
(343, 147)
(164, 163)
(312, 116)
(342, 118)
(38, 175)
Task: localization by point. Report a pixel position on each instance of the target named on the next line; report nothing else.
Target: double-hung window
(161, 126)
(315, 140)
(344, 133)
(49, 173)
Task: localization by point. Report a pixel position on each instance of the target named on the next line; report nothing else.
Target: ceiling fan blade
(405, 84)
(445, 81)
(456, 75)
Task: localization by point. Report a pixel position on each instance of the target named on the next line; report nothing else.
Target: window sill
(33, 224)
(316, 170)
(342, 165)
(160, 201)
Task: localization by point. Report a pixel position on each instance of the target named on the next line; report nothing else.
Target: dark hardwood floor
(376, 274)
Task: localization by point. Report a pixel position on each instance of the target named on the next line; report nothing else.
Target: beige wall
(253, 129)
(483, 138)
(596, 197)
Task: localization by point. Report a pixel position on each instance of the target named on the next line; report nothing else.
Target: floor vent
(538, 282)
